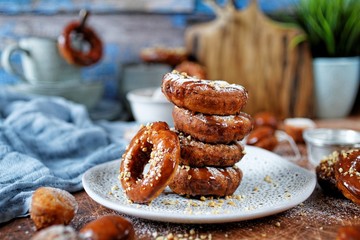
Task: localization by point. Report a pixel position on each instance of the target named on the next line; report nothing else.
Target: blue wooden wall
(109, 6)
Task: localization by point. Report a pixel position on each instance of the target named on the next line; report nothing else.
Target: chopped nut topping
(268, 179)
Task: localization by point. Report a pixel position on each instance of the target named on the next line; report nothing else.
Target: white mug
(41, 62)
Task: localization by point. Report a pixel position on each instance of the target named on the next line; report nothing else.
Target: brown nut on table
(263, 137)
(52, 206)
(108, 228)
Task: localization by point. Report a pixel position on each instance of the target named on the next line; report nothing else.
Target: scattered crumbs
(277, 224)
(194, 204)
(287, 195)
(228, 197)
(255, 189)
(239, 197)
(303, 214)
(114, 188)
(211, 204)
(191, 235)
(170, 202)
(268, 179)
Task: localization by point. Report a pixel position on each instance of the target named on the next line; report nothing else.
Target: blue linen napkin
(48, 141)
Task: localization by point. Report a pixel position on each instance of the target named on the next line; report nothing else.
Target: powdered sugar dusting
(218, 85)
(325, 209)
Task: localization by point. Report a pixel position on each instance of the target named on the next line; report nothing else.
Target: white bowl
(150, 105)
(321, 142)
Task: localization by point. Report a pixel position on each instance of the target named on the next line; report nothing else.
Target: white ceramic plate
(270, 185)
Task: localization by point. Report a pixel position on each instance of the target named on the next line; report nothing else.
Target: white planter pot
(336, 83)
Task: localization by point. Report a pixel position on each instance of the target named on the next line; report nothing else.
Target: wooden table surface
(319, 217)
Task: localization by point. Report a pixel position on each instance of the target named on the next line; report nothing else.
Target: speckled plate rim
(300, 195)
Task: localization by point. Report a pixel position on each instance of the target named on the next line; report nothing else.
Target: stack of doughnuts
(209, 123)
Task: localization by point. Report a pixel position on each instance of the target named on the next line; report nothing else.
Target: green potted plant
(332, 28)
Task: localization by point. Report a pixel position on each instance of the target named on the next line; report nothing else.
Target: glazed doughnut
(347, 174)
(52, 206)
(204, 96)
(108, 227)
(263, 137)
(199, 154)
(325, 174)
(212, 128)
(76, 56)
(192, 69)
(206, 181)
(57, 232)
(165, 55)
(154, 144)
(265, 119)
